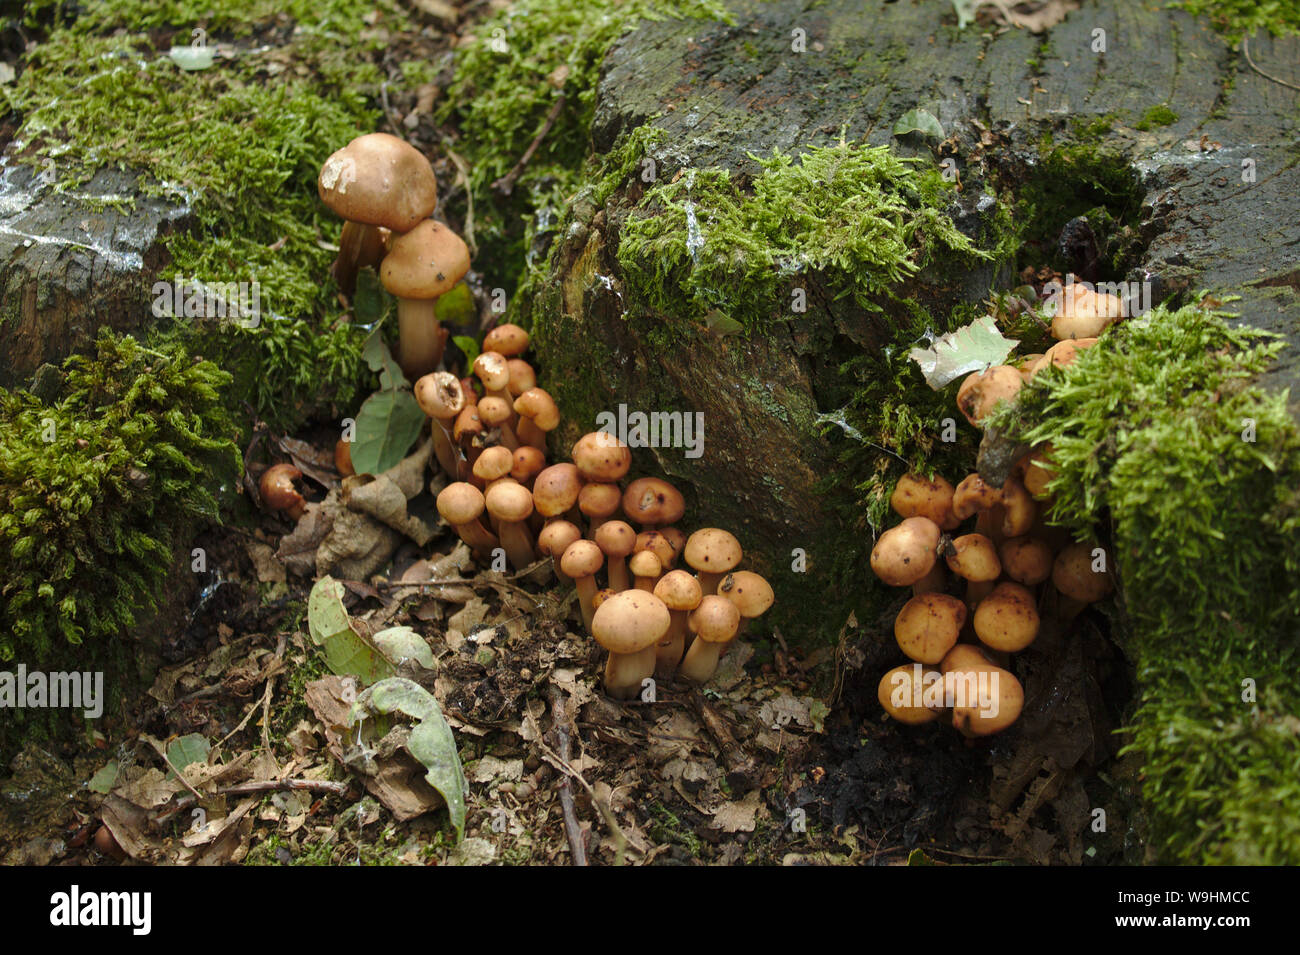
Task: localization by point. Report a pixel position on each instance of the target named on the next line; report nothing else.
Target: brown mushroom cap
(460, 502)
(278, 492)
(1026, 560)
(1007, 619)
(980, 392)
(494, 463)
(928, 626)
(494, 411)
(508, 501)
(556, 537)
(973, 557)
(537, 403)
(711, 550)
(425, 262)
(644, 563)
(379, 180)
(630, 621)
(601, 456)
(506, 339)
(649, 500)
(679, 590)
(582, 558)
(440, 395)
(715, 620)
(528, 463)
(658, 543)
(915, 496)
(556, 489)
(616, 538)
(600, 501)
(749, 591)
(901, 680)
(522, 376)
(966, 656)
(1072, 574)
(973, 495)
(906, 553)
(676, 539)
(1083, 313)
(493, 370)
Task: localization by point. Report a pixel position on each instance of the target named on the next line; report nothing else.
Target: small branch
(1245, 49)
(571, 829)
(506, 184)
(323, 786)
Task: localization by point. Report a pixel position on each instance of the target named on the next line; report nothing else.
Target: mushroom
(601, 457)
(973, 557)
(974, 495)
(676, 540)
(1062, 354)
(629, 625)
(616, 540)
(528, 463)
(495, 464)
(496, 414)
(1038, 472)
(522, 376)
(1019, 509)
(510, 504)
(420, 266)
(554, 540)
(538, 415)
(1078, 583)
(494, 372)
(980, 392)
(904, 554)
(461, 505)
(646, 569)
(659, 544)
(507, 340)
(680, 592)
(343, 458)
(599, 503)
(901, 692)
(580, 562)
(1007, 619)
(750, 592)
(714, 624)
(712, 553)
(651, 501)
(441, 397)
(965, 670)
(915, 496)
(360, 247)
(555, 490)
(928, 626)
(1026, 560)
(278, 492)
(1083, 313)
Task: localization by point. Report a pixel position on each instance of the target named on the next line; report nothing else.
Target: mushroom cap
(644, 564)
(522, 376)
(379, 180)
(495, 462)
(928, 626)
(600, 501)
(508, 501)
(1026, 560)
(650, 500)
(1072, 574)
(556, 489)
(601, 456)
(468, 423)
(556, 537)
(980, 392)
(493, 370)
(277, 490)
(582, 558)
(630, 621)
(713, 550)
(715, 620)
(750, 592)
(425, 262)
(460, 502)
(506, 339)
(1007, 619)
(679, 590)
(528, 463)
(659, 544)
(1084, 313)
(675, 538)
(537, 403)
(915, 496)
(494, 410)
(440, 395)
(902, 679)
(600, 596)
(616, 538)
(906, 552)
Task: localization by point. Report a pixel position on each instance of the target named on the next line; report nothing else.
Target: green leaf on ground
(346, 652)
(973, 347)
(388, 424)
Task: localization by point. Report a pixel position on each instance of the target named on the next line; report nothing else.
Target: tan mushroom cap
(556, 488)
(616, 538)
(439, 395)
(712, 550)
(650, 500)
(460, 502)
(556, 537)
(528, 463)
(582, 558)
(644, 564)
(493, 370)
(749, 591)
(715, 620)
(495, 462)
(522, 376)
(425, 262)
(1084, 313)
(537, 403)
(601, 456)
(630, 621)
(600, 501)
(659, 544)
(507, 339)
(508, 501)
(679, 590)
(379, 180)
(493, 411)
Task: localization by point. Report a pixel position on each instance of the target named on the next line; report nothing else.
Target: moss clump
(859, 219)
(1242, 18)
(1160, 115)
(508, 81)
(95, 487)
(1162, 442)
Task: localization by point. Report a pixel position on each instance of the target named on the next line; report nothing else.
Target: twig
(1245, 49)
(179, 775)
(558, 720)
(506, 184)
(323, 786)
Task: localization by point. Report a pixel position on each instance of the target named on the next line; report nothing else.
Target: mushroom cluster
(983, 567)
(385, 190)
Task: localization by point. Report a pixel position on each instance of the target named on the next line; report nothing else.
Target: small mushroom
(974, 495)
(1038, 472)
(496, 414)
(750, 592)
(494, 464)
(616, 540)
(1078, 583)
(981, 392)
(658, 543)
(601, 457)
(994, 708)
(343, 458)
(422, 265)
(278, 492)
(522, 376)
(580, 562)
(651, 501)
(555, 490)
(528, 463)
(538, 416)
(712, 553)
(928, 626)
(1026, 560)
(599, 503)
(973, 557)
(554, 540)
(915, 496)
(629, 625)
(461, 505)
(1007, 619)
(904, 554)
(646, 569)
(1083, 313)
(680, 592)
(511, 504)
(441, 397)
(507, 340)
(1063, 353)
(901, 693)
(714, 624)
(1019, 509)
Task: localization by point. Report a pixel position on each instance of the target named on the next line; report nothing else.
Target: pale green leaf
(388, 424)
(973, 347)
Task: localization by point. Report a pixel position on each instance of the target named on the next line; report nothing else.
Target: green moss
(1160, 115)
(1242, 18)
(1189, 471)
(860, 219)
(507, 82)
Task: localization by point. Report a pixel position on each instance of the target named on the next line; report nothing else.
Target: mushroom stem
(668, 653)
(625, 671)
(709, 582)
(518, 544)
(360, 246)
(618, 578)
(586, 588)
(445, 451)
(420, 337)
(480, 540)
(701, 660)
